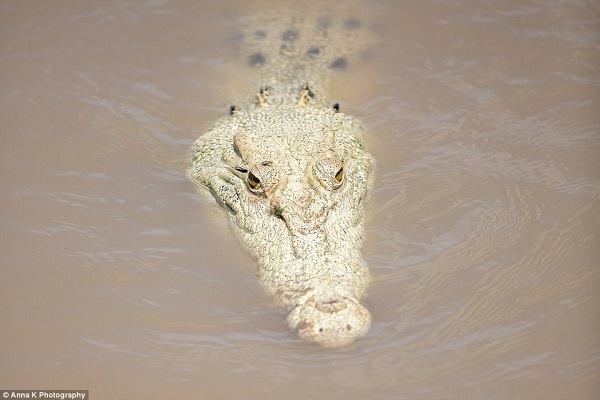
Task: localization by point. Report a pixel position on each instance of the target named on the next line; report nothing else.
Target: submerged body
(292, 174)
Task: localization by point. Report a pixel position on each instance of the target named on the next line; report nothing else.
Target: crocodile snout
(330, 323)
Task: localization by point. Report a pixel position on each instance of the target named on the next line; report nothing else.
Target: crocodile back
(304, 43)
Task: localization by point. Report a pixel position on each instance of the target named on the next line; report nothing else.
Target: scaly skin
(292, 174)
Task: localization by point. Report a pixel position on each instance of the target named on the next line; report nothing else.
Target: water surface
(483, 225)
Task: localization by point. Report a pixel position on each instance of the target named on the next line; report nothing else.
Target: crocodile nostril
(331, 306)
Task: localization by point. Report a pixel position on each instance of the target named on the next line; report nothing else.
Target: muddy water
(483, 227)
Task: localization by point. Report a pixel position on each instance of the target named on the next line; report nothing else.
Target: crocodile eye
(263, 178)
(253, 181)
(339, 175)
(329, 172)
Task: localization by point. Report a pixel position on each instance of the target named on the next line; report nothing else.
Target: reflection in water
(481, 237)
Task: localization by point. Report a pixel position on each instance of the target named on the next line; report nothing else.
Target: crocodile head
(293, 180)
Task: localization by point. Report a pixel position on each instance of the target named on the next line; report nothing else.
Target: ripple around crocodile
(291, 172)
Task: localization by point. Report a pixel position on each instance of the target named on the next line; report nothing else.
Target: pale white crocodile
(291, 171)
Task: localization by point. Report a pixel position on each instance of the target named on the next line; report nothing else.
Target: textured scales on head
(292, 174)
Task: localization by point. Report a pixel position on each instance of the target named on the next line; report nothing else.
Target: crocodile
(292, 173)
